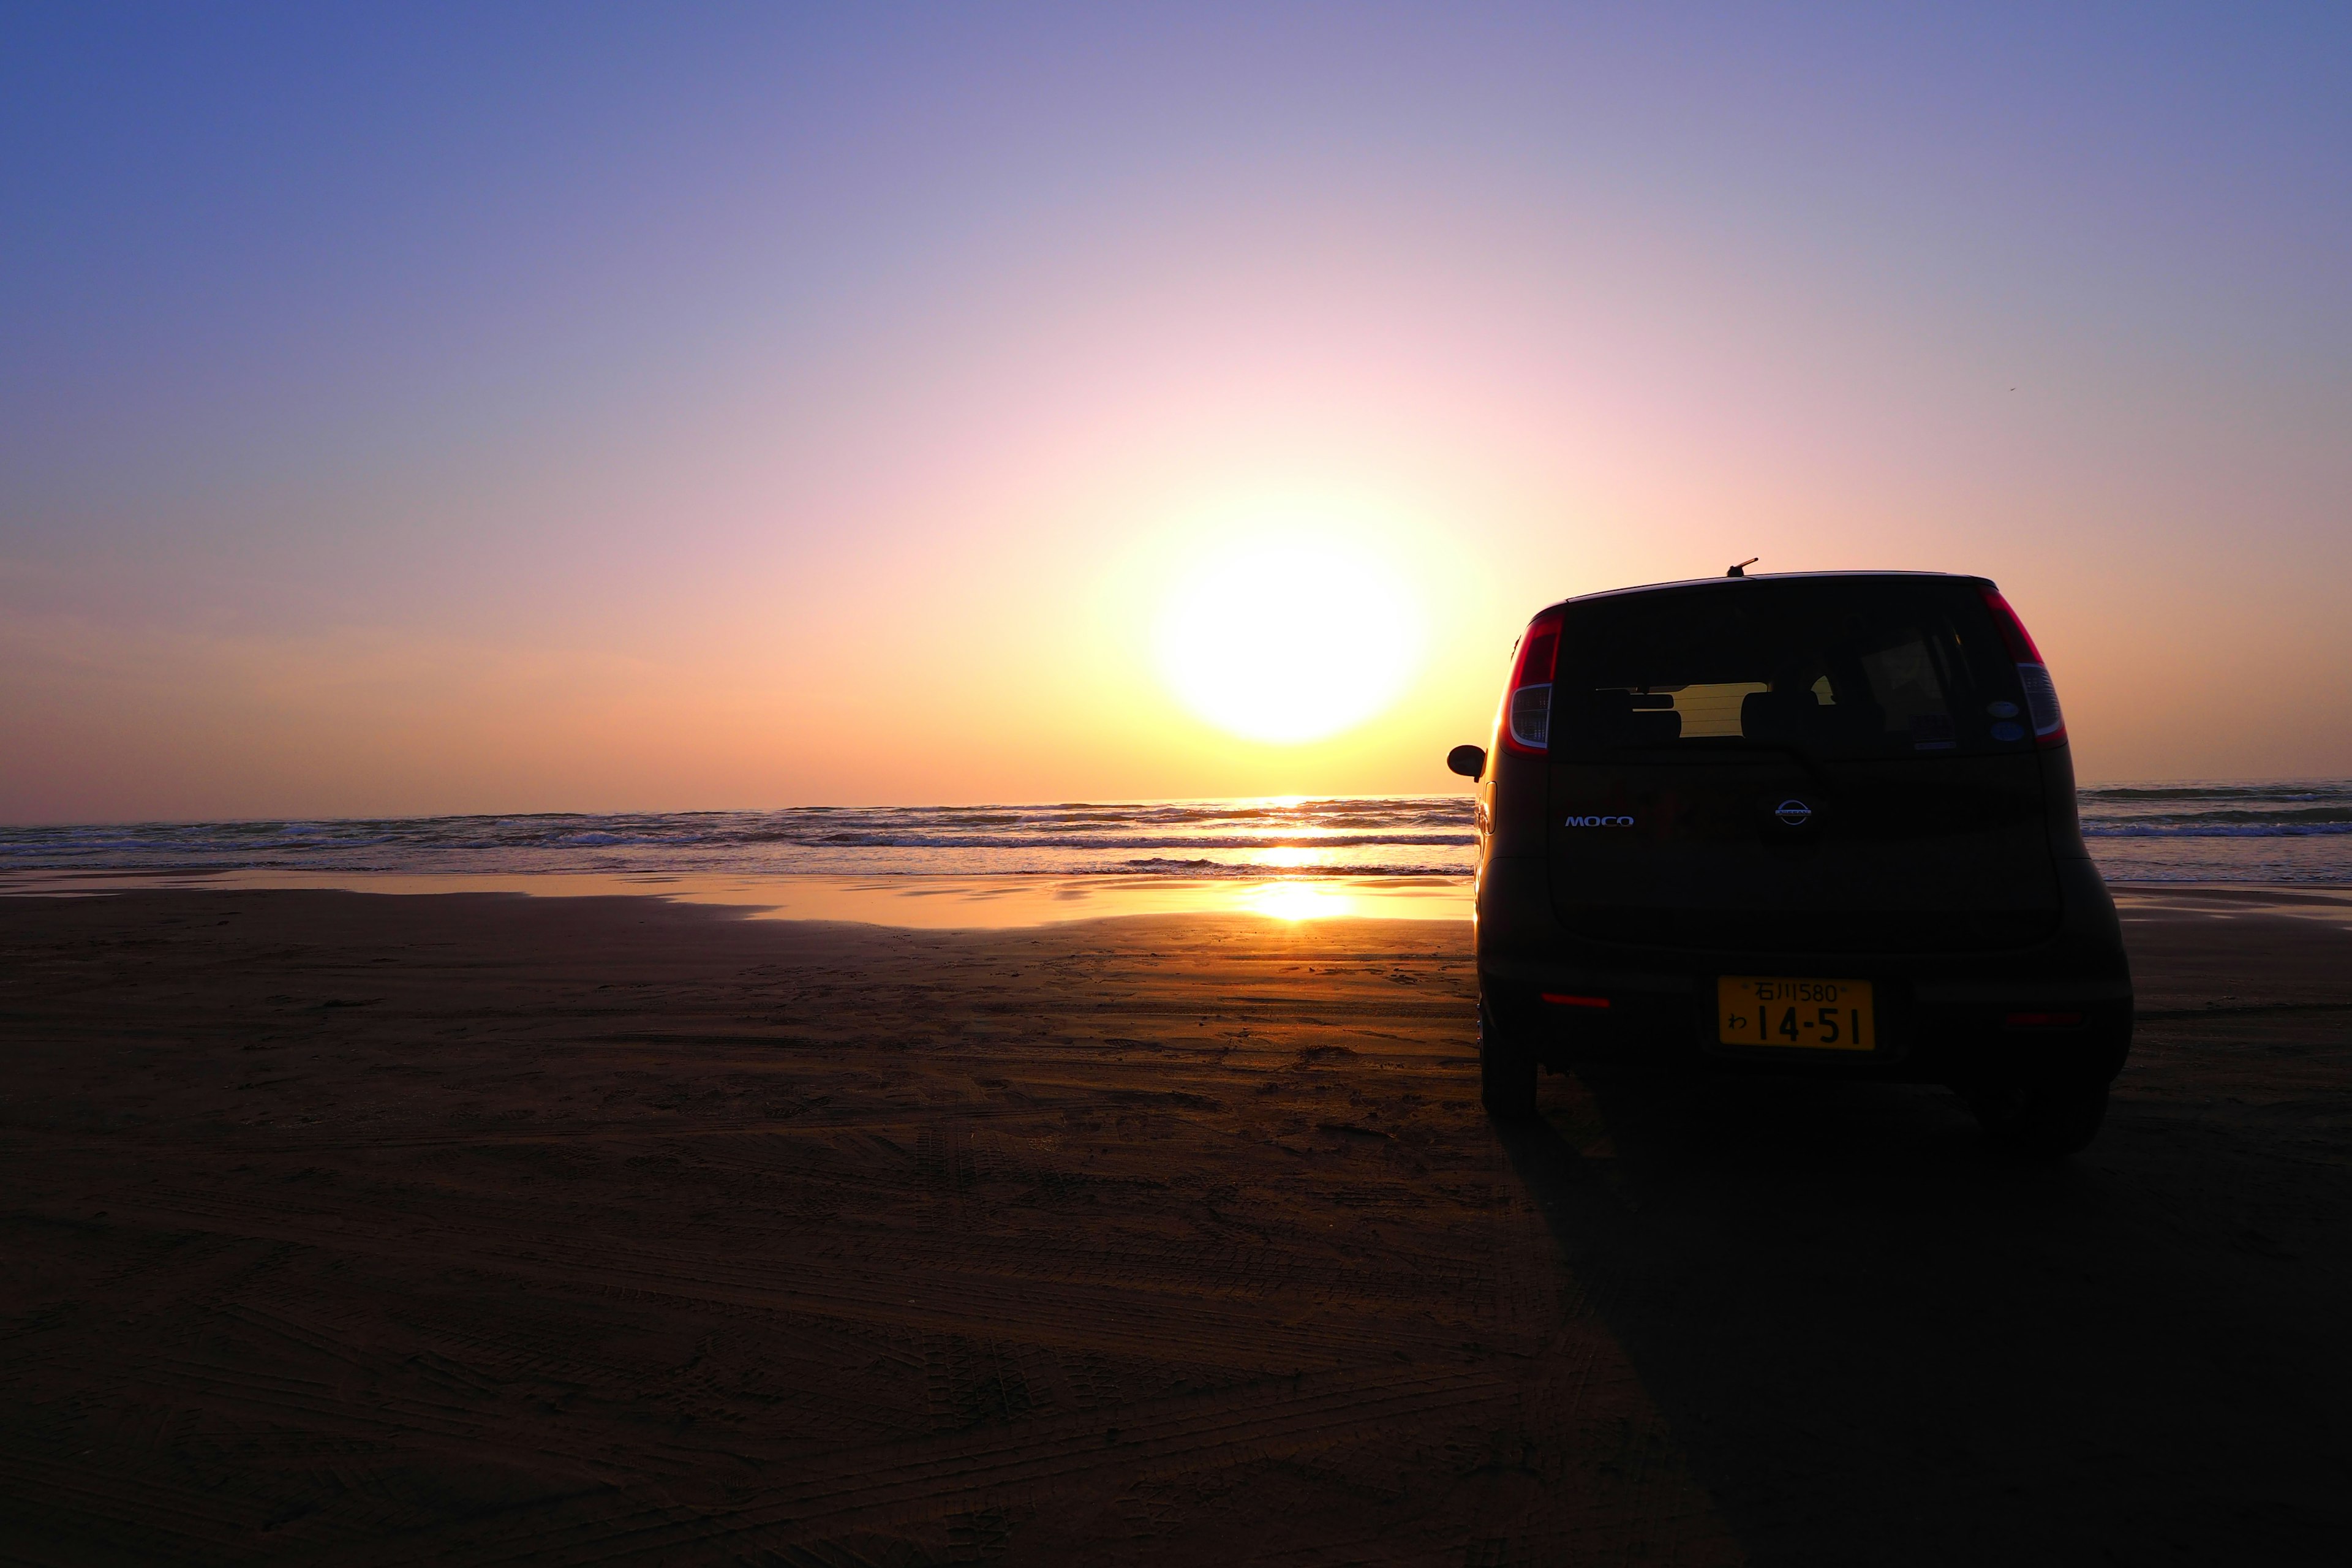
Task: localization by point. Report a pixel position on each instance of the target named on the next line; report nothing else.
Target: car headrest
(1778, 715)
(1793, 716)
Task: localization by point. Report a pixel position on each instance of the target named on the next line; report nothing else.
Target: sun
(1289, 640)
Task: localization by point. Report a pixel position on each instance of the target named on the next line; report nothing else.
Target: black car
(1818, 823)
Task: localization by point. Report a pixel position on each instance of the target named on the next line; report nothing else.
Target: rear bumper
(1953, 1017)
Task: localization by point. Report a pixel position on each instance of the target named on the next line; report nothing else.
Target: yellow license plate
(1798, 1015)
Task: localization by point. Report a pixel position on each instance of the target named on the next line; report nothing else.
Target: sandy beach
(487, 1229)
(753, 757)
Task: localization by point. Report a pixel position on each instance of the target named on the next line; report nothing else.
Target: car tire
(1507, 1068)
(2047, 1116)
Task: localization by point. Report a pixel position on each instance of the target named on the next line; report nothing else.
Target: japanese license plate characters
(1794, 1015)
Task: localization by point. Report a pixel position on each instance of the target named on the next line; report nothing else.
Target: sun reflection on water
(1291, 856)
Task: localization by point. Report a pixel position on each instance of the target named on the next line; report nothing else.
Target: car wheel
(2047, 1116)
(1507, 1068)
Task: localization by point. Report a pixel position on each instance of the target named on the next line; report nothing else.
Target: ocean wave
(1228, 871)
(556, 845)
(2090, 794)
(2276, 830)
(2215, 829)
(1407, 820)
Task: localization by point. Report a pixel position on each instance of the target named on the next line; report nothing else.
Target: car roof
(1763, 577)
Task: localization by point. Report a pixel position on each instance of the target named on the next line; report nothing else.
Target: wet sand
(481, 1229)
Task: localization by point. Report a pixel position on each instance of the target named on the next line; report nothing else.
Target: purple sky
(415, 409)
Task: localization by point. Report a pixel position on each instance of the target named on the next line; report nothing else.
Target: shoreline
(922, 901)
(908, 900)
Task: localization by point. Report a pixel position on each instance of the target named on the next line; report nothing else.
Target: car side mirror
(1468, 761)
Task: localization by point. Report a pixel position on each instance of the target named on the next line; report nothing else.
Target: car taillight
(1527, 707)
(2040, 696)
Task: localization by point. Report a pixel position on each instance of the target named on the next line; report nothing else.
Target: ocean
(2290, 832)
(2298, 830)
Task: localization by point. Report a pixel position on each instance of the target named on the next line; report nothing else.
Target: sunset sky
(415, 409)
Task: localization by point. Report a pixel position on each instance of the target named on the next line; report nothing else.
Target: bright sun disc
(1288, 641)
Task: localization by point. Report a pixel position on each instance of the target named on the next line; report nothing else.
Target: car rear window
(1853, 667)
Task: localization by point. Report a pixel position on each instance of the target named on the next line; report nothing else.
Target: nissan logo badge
(1793, 813)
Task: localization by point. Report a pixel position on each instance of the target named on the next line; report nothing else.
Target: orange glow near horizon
(1164, 407)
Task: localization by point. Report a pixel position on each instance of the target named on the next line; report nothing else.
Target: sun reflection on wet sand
(1301, 901)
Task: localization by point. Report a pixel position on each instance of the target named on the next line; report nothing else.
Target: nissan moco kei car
(1813, 822)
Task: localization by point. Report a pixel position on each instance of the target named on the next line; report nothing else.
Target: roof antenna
(1741, 570)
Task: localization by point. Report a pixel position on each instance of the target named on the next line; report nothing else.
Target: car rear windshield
(1844, 666)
